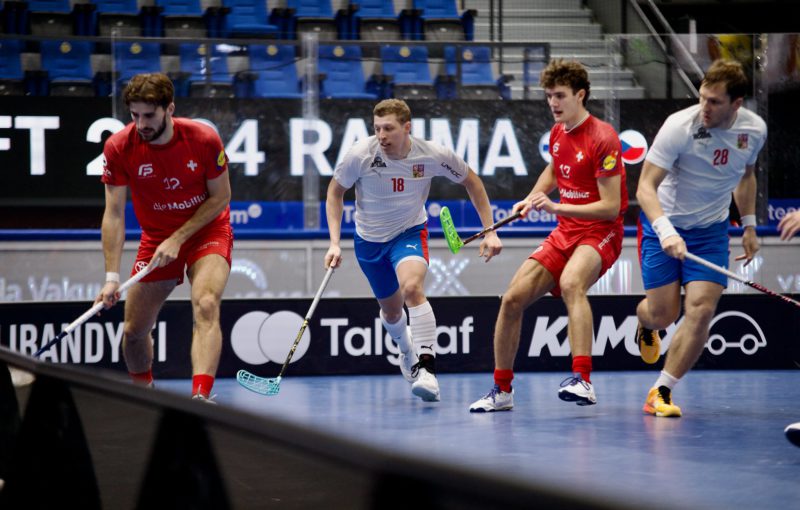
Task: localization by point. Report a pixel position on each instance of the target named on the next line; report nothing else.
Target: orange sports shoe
(659, 403)
(649, 344)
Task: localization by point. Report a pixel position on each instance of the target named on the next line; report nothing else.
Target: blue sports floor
(727, 451)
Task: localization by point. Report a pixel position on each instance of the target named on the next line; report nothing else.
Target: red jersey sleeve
(608, 153)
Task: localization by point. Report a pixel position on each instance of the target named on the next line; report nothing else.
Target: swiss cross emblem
(191, 165)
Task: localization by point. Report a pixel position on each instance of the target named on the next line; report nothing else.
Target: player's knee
(206, 307)
(511, 303)
(412, 290)
(134, 334)
(700, 310)
(663, 314)
(571, 287)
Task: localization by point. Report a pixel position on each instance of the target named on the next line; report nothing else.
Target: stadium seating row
(271, 71)
(363, 19)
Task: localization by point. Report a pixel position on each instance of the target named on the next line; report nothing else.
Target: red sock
(503, 378)
(582, 365)
(142, 378)
(202, 383)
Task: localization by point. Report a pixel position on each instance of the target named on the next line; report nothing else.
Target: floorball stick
(90, 312)
(738, 278)
(454, 241)
(266, 386)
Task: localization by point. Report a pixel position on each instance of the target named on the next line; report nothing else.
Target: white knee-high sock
(666, 379)
(398, 331)
(423, 328)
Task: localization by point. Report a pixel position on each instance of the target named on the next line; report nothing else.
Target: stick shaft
(507, 219)
(738, 278)
(90, 312)
(308, 318)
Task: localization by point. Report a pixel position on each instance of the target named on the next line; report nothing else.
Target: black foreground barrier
(89, 440)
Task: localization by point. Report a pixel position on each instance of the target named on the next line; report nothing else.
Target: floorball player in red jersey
(177, 172)
(586, 167)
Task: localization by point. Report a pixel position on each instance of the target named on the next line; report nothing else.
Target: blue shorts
(379, 261)
(659, 269)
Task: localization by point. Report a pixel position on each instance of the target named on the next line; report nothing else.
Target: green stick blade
(453, 241)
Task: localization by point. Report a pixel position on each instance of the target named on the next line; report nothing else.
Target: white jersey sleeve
(703, 165)
(391, 194)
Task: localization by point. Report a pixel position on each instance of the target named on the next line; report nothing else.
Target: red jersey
(579, 157)
(168, 182)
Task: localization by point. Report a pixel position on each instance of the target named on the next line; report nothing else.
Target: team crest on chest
(418, 171)
(741, 141)
(579, 156)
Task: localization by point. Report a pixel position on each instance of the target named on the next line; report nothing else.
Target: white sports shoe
(408, 360)
(495, 400)
(575, 389)
(426, 386)
(203, 398)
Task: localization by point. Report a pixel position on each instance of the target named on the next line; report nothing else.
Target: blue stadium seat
(69, 68)
(315, 16)
(274, 71)
(120, 18)
(204, 71)
(476, 78)
(535, 59)
(440, 21)
(182, 18)
(249, 18)
(406, 73)
(374, 20)
(15, 17)
(131, 58)
(55, 18)
(11, 75)
(343, 74)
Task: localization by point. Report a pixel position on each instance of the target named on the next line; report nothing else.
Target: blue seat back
(180, 7)
(375, 9)
(10, 60)
(311, 8)
(49, 6)
(442, 9)
(407, 64)
(274, 65)
(131, 58)
(344, 76)
(476, 64)
(117, 6)
(204, 62)
(67, 60)
(248, 16)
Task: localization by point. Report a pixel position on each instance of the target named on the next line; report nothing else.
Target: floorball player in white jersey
(392, 173)
(700, 156)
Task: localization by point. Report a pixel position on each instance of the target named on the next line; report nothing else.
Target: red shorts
(556, 250)
(215, 238)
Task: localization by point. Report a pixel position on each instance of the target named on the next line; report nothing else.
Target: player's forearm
(601, 210)
(206, 213)
(480, 200)
(113, 238)
(648, 201)
(745, 195)
(333, 211)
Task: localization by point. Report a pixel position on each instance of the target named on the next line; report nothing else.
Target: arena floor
(727, 451)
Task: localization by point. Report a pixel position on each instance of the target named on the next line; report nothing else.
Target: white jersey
(703, 165)
(391, 193)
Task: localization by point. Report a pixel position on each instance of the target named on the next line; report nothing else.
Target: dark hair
(398, 107)
(568, 73)
(731, 74)
(152, 88)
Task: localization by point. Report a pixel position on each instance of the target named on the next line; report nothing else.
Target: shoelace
(575, 379)
(493, 393)
(422, 363)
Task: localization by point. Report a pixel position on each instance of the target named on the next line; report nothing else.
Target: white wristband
(663, 228)
(749, 220)
(112, 277)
